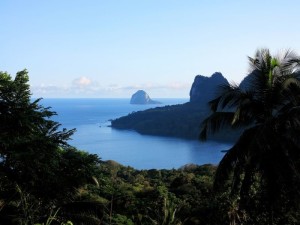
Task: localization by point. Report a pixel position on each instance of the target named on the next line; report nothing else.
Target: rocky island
(141, 97)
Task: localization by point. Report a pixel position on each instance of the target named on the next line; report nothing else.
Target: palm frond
(290, 61)
(268, 149)
(229, 96)
(214, 104)
(290, 81)
(215, 122)
(226, 167)
(237, 155)
(289, 119)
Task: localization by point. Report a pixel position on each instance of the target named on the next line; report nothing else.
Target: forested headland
(181, 120)
(44, 180)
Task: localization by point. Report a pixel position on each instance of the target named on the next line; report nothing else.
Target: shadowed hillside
(182, 120)
(175, 120)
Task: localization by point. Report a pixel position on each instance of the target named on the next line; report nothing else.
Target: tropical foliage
(173, 120)
(39, 171)
(44, 180)
(265, 161)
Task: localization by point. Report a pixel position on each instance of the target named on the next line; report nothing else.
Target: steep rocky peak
(204, 88)
(217, 76)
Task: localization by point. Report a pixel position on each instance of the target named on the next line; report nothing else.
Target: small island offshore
(142, 98)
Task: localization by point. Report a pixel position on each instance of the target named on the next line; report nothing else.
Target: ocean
(91, 118)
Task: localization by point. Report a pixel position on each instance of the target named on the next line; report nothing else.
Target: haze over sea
(91, 119)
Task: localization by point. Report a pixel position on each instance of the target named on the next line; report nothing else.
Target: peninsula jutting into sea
(181, 120)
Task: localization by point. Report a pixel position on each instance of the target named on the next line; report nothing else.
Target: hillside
(182, 120)
(176, 120)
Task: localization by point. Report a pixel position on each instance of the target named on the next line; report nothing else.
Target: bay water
(91, 118)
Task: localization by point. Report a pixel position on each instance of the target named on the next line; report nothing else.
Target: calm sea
(91, 119)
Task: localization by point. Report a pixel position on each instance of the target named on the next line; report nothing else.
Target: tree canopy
(268, 150)
(44, 180)
(35, 156)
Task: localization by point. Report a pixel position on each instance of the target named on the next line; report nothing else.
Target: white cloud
(85, 87)
(82, 82)
(153, 86)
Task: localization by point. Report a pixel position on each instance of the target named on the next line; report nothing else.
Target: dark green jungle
(44, 180)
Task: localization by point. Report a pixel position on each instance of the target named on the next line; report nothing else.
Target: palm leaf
(270, 146)
(215, 122)
(234, 159)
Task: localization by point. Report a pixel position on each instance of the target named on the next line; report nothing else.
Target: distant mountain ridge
(182, 120)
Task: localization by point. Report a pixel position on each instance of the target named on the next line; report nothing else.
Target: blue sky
(112, 48)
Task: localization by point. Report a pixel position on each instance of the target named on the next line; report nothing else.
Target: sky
(112, 48)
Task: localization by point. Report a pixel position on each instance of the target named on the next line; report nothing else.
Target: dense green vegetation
(182, 120)
(43, 180)
(268, 151)
(174, 120)
(39, 171)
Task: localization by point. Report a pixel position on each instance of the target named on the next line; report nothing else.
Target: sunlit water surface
(91, 118)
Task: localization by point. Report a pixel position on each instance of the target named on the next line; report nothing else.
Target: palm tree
(268, 107)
